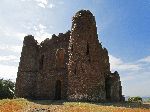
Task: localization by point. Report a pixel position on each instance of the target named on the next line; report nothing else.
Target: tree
(135, 99)
(7, 88)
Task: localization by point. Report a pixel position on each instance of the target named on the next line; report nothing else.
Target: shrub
(7, 88)
(135, 99)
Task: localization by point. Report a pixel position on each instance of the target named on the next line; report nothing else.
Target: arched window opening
(87, 50)
(41, 62)
(89, 60)
(108, 88)
(60, 57)
(75, 71)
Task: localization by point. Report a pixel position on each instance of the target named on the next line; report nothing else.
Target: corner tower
(28, 68)
(85, 80)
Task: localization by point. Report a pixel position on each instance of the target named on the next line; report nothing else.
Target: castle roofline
(83, 13)
(54, 38)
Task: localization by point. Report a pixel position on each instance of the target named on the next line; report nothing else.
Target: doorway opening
(58, 90)
(108, 89)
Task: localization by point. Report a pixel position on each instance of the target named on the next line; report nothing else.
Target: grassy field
(23, 105)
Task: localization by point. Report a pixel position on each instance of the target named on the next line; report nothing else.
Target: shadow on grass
(48, 102)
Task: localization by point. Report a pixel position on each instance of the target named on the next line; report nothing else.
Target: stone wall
(55, 59)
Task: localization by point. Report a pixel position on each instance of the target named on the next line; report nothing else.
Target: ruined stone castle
(71, 66)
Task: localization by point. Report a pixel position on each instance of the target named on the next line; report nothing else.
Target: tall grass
(13, 105)
(23, 105)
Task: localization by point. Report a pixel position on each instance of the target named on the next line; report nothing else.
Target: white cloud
(6, 31)
(51, 5)
(8, 58)
(16, 49)
(127, 78)
(8, 72)
(61, 2)
(118, 64)
(18, 35)
(146, 59)
(136, 81)
(42, 27)
(13, 48)
(131, 73)
(24, 0)
(45, 4)
(40, 33)
(42, 3)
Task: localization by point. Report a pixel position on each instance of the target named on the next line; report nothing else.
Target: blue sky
(123, 28)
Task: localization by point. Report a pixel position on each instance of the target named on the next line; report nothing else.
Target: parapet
(84, 18)
(29, 41)
(83, 13)
(61, 37)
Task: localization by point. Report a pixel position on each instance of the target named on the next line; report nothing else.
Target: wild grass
(87, 107)
(13, 105)
(23, 105)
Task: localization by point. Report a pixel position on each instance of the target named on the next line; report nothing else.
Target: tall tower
(27, 70)
(85, 80)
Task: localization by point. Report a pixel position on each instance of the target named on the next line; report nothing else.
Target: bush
(135, 99)
(148, 100)
(7, 88)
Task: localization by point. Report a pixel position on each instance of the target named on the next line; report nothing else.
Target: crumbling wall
(113, 87)
(86, 82)
(54, 55)
(28, 68)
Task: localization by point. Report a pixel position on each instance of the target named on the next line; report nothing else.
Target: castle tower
(27, 70)
(85, 80)
(71, 66)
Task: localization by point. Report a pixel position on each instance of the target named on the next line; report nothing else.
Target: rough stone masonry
(71, 66)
